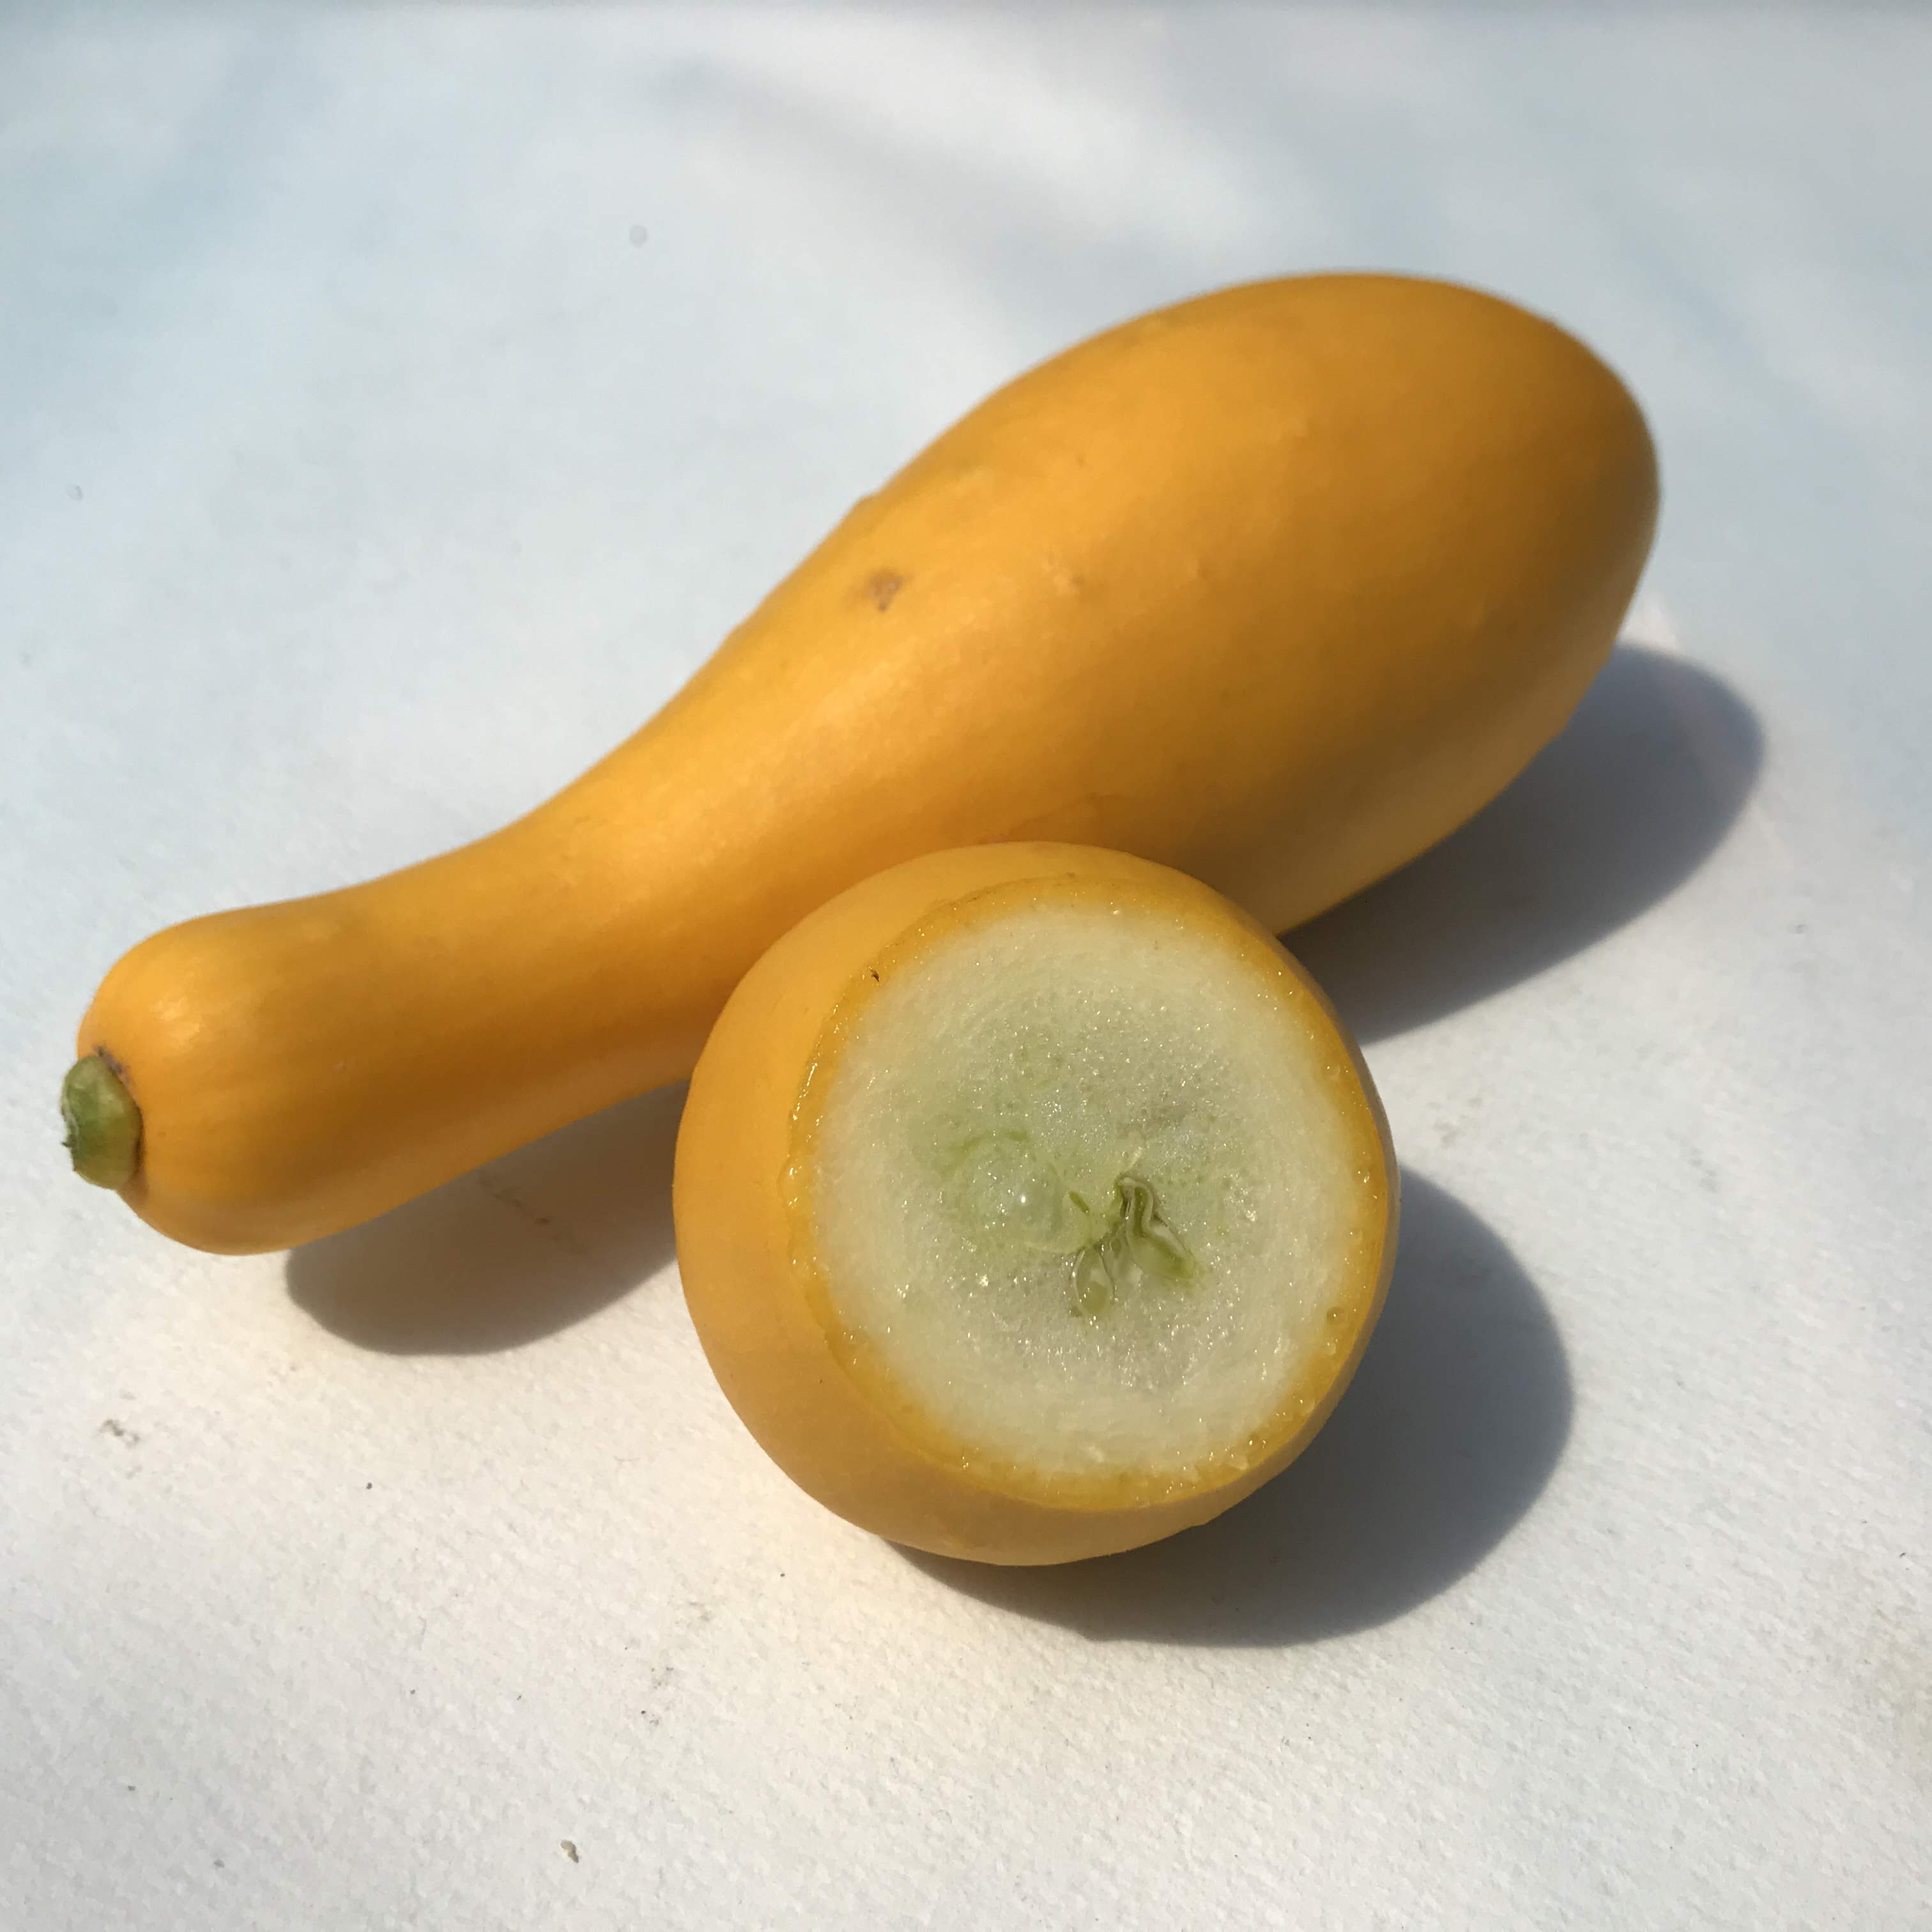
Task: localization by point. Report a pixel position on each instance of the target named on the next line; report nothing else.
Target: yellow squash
(1277, 586)
(817, 1397)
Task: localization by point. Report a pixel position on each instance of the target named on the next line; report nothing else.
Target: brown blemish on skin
(883, 585)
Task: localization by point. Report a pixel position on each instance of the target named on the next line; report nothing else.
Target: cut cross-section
(1031, 1203)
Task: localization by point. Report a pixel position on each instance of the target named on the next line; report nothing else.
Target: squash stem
(103, 1125)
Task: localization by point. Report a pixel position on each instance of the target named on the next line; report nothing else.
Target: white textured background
(395, 404)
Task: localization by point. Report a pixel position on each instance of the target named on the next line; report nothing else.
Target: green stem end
(103, 1125)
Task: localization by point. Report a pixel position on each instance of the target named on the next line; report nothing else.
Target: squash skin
(750, 1281)
(1277, 586)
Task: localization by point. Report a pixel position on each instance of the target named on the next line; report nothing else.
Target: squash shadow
(1454, 1423)
(520, 1248)
(1621, 807)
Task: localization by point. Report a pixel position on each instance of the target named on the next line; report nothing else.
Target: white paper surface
(395, 405)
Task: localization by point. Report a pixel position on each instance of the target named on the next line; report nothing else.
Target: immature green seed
(1137, 1244)
(1093, 1279)
(1151, 1242)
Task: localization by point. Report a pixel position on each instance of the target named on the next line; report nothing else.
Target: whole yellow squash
(1276, 587)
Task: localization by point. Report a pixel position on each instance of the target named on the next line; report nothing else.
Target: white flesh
(1087, 1185)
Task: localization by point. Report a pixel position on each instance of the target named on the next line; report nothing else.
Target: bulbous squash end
(104, 1124)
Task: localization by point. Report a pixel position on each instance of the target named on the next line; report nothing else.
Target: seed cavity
(1139, 1246)
(1000, 1179)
